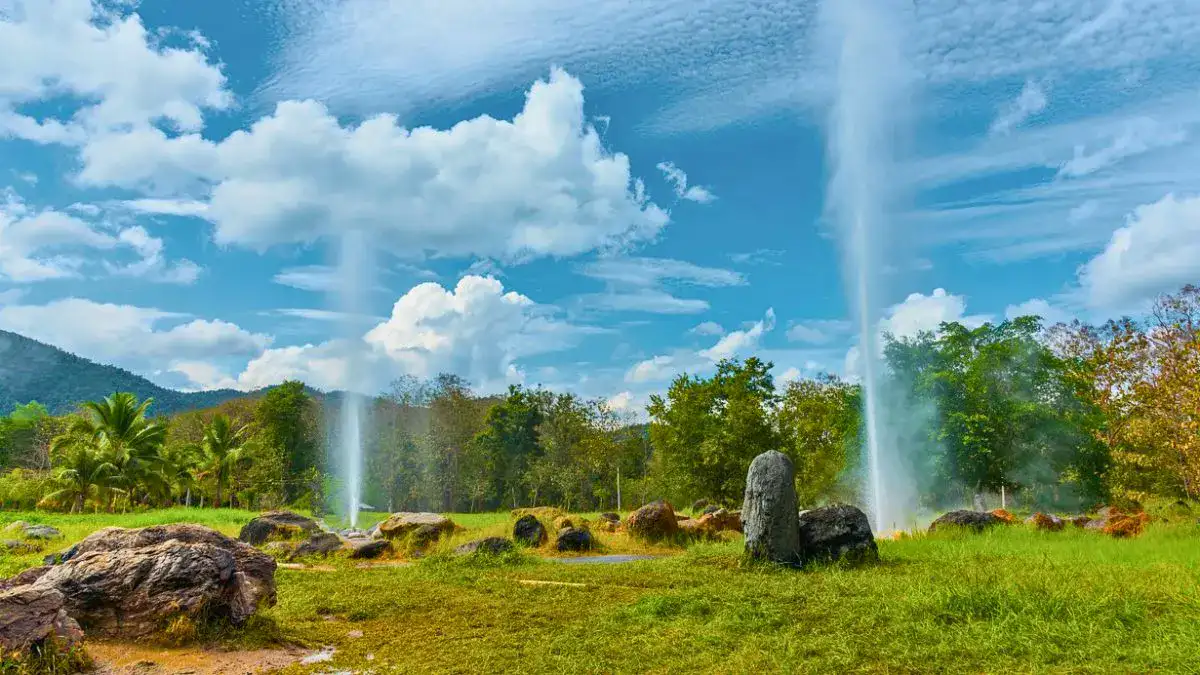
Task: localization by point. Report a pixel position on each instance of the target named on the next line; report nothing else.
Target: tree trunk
(217, 501)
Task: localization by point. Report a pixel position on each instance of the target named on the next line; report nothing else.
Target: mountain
(33, 371)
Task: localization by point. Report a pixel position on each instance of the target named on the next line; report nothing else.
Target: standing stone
(769, 514)
(835, 533)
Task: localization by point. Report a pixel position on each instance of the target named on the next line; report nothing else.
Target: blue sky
(591, 196)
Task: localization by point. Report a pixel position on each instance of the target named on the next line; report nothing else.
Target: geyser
(863, 38)
(354, 269)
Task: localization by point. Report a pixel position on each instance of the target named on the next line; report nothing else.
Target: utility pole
(618, 488)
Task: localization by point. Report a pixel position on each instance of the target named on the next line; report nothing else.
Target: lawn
(1010, 600)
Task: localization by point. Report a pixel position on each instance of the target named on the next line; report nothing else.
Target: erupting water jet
(354, 268)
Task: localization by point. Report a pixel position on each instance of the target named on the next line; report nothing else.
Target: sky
(594, 197)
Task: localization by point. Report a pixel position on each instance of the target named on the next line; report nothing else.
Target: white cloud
(116, 71)
(140, 339)
(1051, 313)
(153, 266)
(309, 278)
(646, 300)
(679, 181)
(708, 328)
(1030, 102)
(763, 256)
(919, 312)
(1158, 250)
(11, 296)
(653, 369)
(739, 342)
(323, 315)
(637, 284)
(204, 376)
(476, 330)
(818, 331)
(621, 402)
(167, 207)
(540, 185)
(1139, 136)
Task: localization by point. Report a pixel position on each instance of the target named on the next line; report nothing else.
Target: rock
(1107, 512)
(711, 508)
(835, 533)
(1080, 521)
(13, 547)
(57, 558)
(610, 516)
(529, 531)
(699, 505)
(425, 535)
(30, 531)
(1124, 525)
(320, 543)
(1003, 515)
(27, 577)
(721, 521)
(369, 549)
(128, 583)
(276, 526)
(609, 522)
(1095, 524)
(653, 521)
(15, 526)
(1043, 521)
(562, 523)
(574, 539)
(488, 546)
(280, 549)
(545, 514)
(29, 615)
(769, 514)
(401, 525)
(691, 527)
(974, 520)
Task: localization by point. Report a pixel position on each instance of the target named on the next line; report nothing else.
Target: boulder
(128, 583)
(31, 615)
(699, 505)
(14, 547)
(973, 520)
(320, 543)
(711, 508)
(1003, 515)
(488, 546)
(574, 539)
(769, 514)
(401, 525)
(611, 517)
(27, 577)
(1044, 521)
(836, 533)
(562, 523)
(369, 549)
(1080, 521)
(26, 530)
(277, 526)
(721, 520)
(653, 521)
(1124, 525)
(529, 531)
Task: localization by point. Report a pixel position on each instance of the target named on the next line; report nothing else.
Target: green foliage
(819, 421)
(706, 431)
(286, 421)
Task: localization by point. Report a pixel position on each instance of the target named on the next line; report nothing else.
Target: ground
(1010, 600)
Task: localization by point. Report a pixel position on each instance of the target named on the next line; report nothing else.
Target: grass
(1010, 600)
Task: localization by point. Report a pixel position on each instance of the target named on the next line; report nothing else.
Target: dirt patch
(125, 659)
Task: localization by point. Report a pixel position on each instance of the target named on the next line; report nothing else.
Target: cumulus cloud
(121, 76)
(739, 342)
(1030, 102)
(1158, 250)
(652, 369)
(1051, 313)
(679, 181)
(919, 312)
(138, 338)
(818, 331)
(541, 184)
(707, 328)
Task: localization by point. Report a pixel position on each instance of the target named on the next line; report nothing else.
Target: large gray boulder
(977, 521)
(128, 583)
(837, 533)
(769, 516)
(277, 526)
(320, 543)
(29, 616)
(401, 525)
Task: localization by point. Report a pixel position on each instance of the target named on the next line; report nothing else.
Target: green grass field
(1010, 600)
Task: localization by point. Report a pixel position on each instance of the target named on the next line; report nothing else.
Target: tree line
(1062, 415)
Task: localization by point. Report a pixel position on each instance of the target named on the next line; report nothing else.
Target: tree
(706, 431)
(509, 441)
(117, 431)
(222, 448)
(18, 433)
(81, 473)
(286, 420)
(819, 421)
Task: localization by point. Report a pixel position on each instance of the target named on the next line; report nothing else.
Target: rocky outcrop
(128, 583)
(402, 525)
(976, 521)
(769, 515)
(369, 549)
(574, 539)
(528, 530)
(836, 533)
(277, 526)
(653, 521)
(31, 615)
(27, 577)
(488, 546)
(320, 543)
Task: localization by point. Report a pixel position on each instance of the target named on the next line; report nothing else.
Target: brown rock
(1046, 522)
(128, 583)
(721, 521)
(27, 577)
(653, 521)
(400, 525)
(29, 615)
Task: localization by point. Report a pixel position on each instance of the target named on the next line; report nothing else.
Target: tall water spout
(864, 37)
(354, 269)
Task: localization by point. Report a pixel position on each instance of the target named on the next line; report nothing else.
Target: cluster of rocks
(1109, 520)
(777, 531)
(129, 583)
(22, 538)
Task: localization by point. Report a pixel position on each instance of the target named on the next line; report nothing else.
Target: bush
(22, 489)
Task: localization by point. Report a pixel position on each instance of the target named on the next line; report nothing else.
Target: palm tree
(222, 448)
(82, 472)
(178, 464)
(118, 431)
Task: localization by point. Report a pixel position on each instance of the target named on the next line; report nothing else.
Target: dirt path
(126, 659)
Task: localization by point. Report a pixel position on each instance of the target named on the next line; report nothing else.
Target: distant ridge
(34, 371)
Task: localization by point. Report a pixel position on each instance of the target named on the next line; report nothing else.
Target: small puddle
(602, 559)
